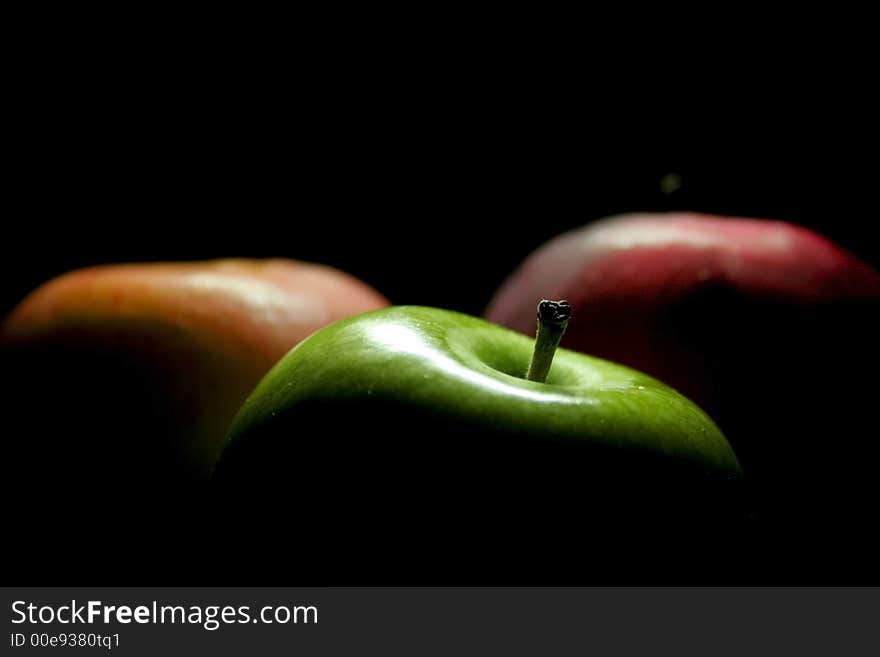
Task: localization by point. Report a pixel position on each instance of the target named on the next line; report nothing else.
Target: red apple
(771, 327)
(628, 276)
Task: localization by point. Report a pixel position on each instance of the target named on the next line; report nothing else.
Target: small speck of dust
(669, 183)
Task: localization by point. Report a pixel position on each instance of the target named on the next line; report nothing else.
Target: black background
(426, 161)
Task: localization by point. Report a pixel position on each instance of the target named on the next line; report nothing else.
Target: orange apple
(135, 371)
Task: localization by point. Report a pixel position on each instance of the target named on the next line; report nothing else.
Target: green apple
(417, 426)
(470, 371)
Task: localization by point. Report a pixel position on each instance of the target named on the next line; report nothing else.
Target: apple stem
(553, 319)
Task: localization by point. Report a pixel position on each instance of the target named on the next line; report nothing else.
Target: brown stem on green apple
(553, 319)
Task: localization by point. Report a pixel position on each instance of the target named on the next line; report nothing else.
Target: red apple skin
(625, 275)
(188, 340)
(770, 327)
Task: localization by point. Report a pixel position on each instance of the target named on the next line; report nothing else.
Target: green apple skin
(466, 368)
(412, 426)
